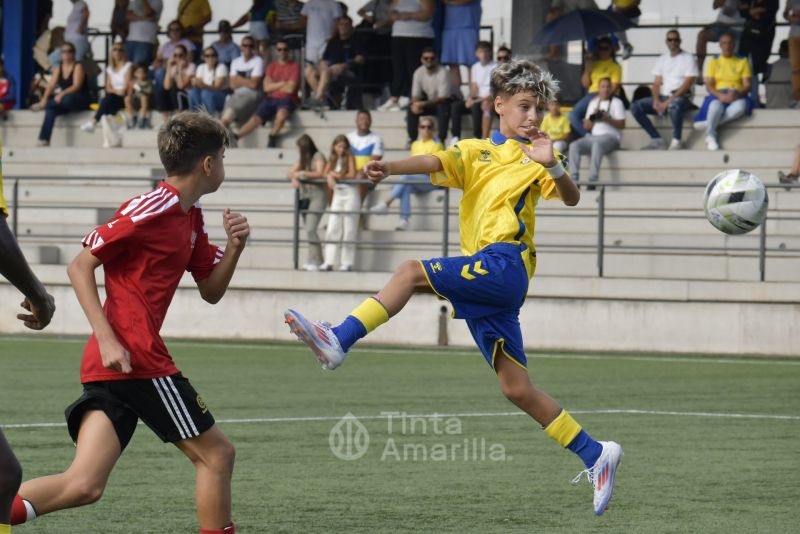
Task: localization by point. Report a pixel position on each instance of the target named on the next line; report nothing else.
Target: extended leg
(10, 478)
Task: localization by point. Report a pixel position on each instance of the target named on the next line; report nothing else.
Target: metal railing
(602, 215)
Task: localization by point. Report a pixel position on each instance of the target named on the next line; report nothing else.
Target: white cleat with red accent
(602, 474)
(319, 337)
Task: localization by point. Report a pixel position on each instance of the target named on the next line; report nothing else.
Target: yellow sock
(5, 529)
(371, 313)
(563, 428)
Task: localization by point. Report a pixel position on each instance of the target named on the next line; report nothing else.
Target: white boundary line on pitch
(745, 360)
(323, 418)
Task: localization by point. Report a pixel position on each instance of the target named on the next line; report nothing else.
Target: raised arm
(81, 274)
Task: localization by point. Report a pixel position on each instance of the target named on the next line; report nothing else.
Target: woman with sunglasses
(66, 92)
(118, 81)
(210, 84)
(164, 54)
(177, 81)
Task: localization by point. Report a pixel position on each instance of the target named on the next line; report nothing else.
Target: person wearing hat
(226, 49)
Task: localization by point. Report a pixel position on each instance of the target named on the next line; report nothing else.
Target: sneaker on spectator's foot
(402, 226)
(88, 126)
(602, 474)
(786, 178)
(675, 144)
(134, 121)
(380, 209)
(712, 143)
(345, 268)
(311, 267)
(453, 141)
(627, 50)
(326, 267)
(700, 125)
(43, 143)
(272, 141)
(389, 105)
(319, 337)
(144, 124)
(654, 144)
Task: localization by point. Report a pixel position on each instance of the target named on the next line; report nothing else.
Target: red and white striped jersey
(145, 248)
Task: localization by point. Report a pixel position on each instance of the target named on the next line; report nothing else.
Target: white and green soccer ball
(735, 202)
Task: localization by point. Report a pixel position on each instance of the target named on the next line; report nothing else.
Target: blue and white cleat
(319, 337)
(601, 475)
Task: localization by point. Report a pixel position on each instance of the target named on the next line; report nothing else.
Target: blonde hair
(520, 75)
(345, 157)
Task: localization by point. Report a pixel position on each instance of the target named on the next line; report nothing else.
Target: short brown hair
(187, 137)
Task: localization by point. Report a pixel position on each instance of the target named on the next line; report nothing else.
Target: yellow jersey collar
(498, 138)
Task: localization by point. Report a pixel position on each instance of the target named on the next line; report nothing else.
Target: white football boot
(602, 473)
(319, 337)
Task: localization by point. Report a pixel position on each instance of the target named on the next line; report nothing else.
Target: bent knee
(86, 491)
(412, 271)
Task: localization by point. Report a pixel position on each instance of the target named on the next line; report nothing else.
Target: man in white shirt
(605, 117)
(319, 18)
(142, 17)
(675, 73)
(247, 71)
(480, 101)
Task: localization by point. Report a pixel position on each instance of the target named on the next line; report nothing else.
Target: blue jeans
(139, 52)
(578, 113)
(72, 102)
(643, 107)
(212, 100)
(404, 192)
(719, 114)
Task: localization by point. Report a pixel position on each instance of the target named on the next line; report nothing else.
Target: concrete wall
(560, 314)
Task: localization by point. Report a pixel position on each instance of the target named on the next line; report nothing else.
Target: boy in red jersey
(127, 372)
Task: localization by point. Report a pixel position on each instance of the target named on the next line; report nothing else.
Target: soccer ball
(735, 202)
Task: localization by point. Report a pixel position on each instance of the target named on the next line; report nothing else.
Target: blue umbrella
(581, 25)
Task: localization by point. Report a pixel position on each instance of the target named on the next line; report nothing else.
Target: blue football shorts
(487, 290)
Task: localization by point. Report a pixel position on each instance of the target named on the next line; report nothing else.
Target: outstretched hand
(376, 170)
(236, 227)
(41, 313)
(541, 148)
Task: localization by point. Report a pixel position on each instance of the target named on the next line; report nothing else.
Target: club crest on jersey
(485, 156)
(194, 237)
(436, 266)
(202, 404)
(525, 160)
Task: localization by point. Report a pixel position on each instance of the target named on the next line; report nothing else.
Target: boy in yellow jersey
(425, 144)
(556, 125)
(41, 307)
(502, 178)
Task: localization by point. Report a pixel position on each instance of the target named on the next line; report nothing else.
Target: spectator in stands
(308, 176)
(727, 80)
(757, 37)
(319, 18)
(605, 117)
(431, 93)
(792, 176)
(66, 92)
(210, 84)
(503, 54)
(559, 8)
(342, 230)
(141, 94)
(411, 34)
(257, 17)
(118, 81)
(462, 24)
(598, 66)
(792, 15)
(8, 90)
(556, 125)
(281, 83)
(119, 20)
(480, 102)
(779, 83)
(193, 16)
(675, 73)
(76, 30)
(377, 25)
(178, 81)
(226, 49)
(728, 21)
(343, 59)
(288, 22)
(425, 145)
(247, 72)
(143, 17)
(365, 145)
(163, 56)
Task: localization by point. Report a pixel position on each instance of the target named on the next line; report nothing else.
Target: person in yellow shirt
(425, 144)
(556, 125)
(193, 15)
(727, 80)
(601, 65)
(502, 178)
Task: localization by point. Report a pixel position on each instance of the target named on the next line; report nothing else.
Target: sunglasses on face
(67, 51)
(428, 58)
(503, 58)
(282, 49)
(178, 55)
(209, 55)
(673, 40)
(247, 45)
(426, 126)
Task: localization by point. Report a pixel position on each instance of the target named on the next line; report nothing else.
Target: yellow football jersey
(605, 68)
(426, 148)
(3, 207)
(501, 189)
(728, 72)
(556, 127)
